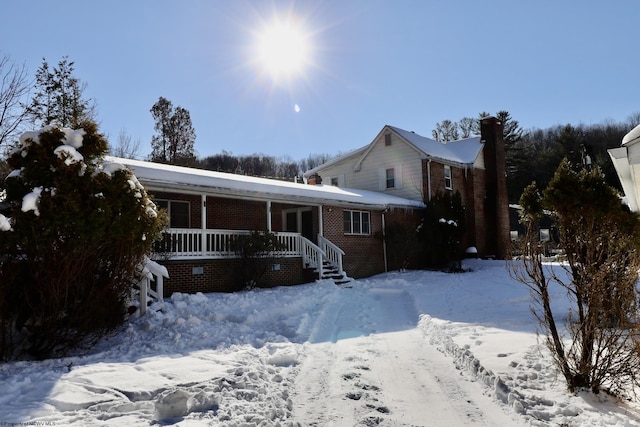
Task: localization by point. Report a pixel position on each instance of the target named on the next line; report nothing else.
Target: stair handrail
(312, 255)
(151, 271)
(333, 252)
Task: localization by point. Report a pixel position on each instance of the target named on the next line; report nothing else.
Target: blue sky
(405, 63)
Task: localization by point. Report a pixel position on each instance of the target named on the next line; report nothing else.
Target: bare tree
(468, 127)
(633, 120)
(14, 87)
(445, 131)
(127, 147)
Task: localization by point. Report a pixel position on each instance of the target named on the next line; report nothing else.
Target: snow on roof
(632, 137)
(463, 151)
(176, 178)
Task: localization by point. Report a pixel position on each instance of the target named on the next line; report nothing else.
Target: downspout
(429, 179)
(384, 240)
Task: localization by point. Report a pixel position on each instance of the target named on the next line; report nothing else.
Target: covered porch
(187, 244)
(326, 231)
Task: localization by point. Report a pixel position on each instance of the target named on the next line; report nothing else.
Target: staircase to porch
(331, 272)
(325, 259)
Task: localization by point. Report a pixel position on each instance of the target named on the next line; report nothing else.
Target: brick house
(328, 231)
(404, 164)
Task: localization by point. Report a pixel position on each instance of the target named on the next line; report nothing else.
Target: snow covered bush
(75, 234)
(257, 251)
(598, 346)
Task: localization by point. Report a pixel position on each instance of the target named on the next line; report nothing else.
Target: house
(626, 160)
(328, 231)
(404, 164)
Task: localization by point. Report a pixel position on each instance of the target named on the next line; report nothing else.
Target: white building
(626, 160)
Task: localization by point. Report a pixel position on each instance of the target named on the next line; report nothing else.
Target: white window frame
(298, 212)
(338, 179)
(169, 202)
(390, 178)
(352, 231)
(448, 178)
(397, 177)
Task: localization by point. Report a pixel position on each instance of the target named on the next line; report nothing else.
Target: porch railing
(188, 243)
(191, 243)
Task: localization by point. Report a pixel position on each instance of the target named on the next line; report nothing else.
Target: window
(334, 181)
(387, 139)
(178, 212)
(356, 222)
(390, 178)
(447, 177)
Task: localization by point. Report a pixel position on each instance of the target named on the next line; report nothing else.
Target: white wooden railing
(312, 255)
(195, 243)
(181, 243)
(151, 272)
(332, 252)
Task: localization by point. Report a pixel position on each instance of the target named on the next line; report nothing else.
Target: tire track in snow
(376, 368)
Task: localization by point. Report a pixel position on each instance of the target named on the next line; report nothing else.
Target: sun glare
(283, 50)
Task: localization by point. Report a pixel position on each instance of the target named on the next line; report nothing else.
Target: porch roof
(162, 177)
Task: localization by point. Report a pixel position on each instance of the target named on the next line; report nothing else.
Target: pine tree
(75, 235)
(59, 97)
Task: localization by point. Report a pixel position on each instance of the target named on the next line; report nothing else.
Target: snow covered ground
(399, 349)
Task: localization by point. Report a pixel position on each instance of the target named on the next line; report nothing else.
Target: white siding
(479, 163)
(406, 161)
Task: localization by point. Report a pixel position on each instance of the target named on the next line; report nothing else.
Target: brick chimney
(496, 204)
(314, 179)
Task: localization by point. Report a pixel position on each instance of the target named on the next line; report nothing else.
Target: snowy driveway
(376, 368)
(400, 349)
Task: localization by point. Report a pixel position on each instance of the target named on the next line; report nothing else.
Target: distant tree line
(534, 155)
(262, 165)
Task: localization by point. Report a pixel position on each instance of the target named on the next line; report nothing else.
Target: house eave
(259, 196)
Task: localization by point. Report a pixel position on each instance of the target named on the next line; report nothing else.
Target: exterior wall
(398, 155)
(219, 275)
(409, 217)
(363, 254)
(470, 183)
(459, 179)
(235, 214)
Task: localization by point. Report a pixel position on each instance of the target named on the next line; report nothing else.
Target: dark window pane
(347, 221)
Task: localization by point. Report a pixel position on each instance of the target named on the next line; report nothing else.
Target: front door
(307, 225)
(300, 221)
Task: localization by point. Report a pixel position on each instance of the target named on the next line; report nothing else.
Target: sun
(283, 49)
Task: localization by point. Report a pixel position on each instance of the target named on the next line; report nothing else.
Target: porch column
(320, 228)
(203, 224)
(269, 216)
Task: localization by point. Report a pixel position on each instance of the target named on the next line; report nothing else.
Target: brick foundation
(219, 275)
